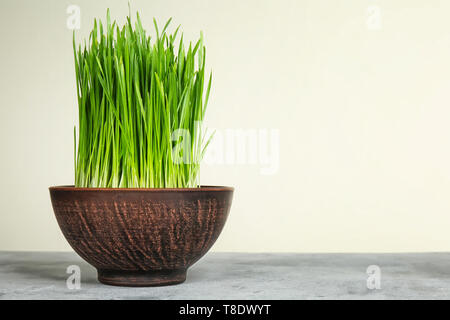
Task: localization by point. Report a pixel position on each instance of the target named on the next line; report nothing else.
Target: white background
(363, 117)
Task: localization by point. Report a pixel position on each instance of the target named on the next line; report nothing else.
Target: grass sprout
(133, 93)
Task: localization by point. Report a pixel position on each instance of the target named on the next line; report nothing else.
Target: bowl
(141, 237)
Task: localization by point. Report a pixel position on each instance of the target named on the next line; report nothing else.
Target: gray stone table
(39, 275)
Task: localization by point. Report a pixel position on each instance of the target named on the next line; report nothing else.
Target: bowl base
(126, 278)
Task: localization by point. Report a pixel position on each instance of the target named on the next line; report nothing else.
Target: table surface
(43, 275)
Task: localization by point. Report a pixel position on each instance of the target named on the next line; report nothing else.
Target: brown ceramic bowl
(141, 237)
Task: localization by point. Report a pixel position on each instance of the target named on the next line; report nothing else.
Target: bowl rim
(199, 189)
